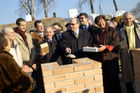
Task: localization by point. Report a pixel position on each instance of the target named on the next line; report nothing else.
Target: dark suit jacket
(75, 44)
(91, 28)
(54, 53)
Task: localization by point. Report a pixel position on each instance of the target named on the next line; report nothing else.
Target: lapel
(138, 32)
(73, 35)
(19, 38)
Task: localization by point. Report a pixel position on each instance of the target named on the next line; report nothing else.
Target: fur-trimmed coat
(12, 79)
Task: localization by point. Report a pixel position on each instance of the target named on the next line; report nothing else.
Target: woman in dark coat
(12, 78)
(107, 41)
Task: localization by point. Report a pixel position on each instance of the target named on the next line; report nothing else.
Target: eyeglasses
(72, 24)
(128, 18)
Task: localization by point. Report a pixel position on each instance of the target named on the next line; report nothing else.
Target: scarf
(131, 36)
(22, 34)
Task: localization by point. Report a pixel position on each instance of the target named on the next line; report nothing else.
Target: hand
(25, 68)
(101, 48)
(31, 62)
(43, 54)
(34, 66)
(68, 50)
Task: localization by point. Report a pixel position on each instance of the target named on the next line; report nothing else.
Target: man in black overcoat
(74, 40)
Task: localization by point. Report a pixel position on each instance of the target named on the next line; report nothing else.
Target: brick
(75, 87)
(49, 85)
(83, 80)
(97, 64)
(73, 75)
(64, 83)
(98, 78)
(53, 78)
(47, 68)
(44, 65)
(82, 60)
(99, 89)
(81, 67)
(94, 84)
(46, 72)
(56, 90)
(62, 70)
(93, 72)
(86, 91)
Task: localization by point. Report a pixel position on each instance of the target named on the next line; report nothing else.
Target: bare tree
(45, 5)
(115, 5)
(26, 7)
(90, 2)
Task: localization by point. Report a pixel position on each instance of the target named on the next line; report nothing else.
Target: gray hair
(49, 27)
(6, 29)
(3, 41)
(128, 13)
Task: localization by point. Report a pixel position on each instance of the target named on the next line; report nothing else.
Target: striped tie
(76, 34)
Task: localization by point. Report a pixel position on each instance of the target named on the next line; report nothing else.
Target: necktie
(85, 27)
(76, 34)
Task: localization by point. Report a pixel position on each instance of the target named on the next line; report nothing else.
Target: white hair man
(129, 40)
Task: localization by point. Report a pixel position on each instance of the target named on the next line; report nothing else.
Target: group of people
(20, 50)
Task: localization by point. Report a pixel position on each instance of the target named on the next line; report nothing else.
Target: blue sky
(8, 8)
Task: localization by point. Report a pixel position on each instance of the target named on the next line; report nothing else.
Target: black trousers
(111, 76)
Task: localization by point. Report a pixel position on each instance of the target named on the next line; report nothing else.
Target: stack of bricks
(136, 64)
(83, 76)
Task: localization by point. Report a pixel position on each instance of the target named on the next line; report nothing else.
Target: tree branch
(25, 6)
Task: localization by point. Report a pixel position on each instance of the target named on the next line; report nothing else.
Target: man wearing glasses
(74, 40)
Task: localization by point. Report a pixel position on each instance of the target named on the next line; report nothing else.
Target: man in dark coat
(53, 54)
(129, 40)
(37, 37)
(57, 28)
(75, 39)
(85, 23)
